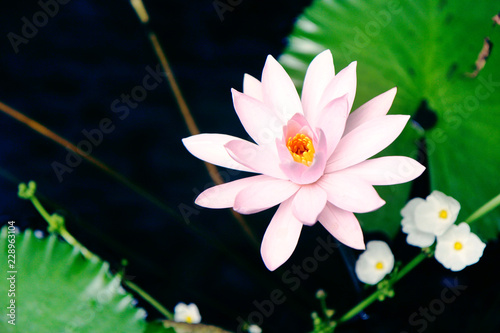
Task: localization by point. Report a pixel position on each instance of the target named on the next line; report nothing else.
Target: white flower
(375, 263)
(458, 247)
(254, 329)
(187, 313)
(423, 220)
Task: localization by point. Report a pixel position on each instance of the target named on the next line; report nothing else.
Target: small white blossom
(254, 329)
(415, 236)
(375, 263)
(458, 247)
(423, 220)
(187, 313)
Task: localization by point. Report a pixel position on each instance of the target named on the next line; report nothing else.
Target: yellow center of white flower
(379, 265)
(302, 149)
(458, 246)
(443, 214)
(189, 320)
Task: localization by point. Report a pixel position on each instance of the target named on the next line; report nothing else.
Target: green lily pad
(158, 327)
(58, 290)
(426, 49)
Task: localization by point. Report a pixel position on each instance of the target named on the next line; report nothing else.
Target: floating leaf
(157, 327)
(58, 290)
(425, 48)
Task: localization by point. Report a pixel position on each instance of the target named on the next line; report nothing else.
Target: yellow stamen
(302, 149)
(189, 320)
(379, 265)
(458, 246)
(443, 214)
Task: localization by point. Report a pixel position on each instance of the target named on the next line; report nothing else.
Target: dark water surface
(82, 73)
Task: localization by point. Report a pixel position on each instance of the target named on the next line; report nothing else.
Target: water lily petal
(259, 121)
(319, 74)
(261, 159)
(342, 83)
(343, 225)
(350, 193)
(279, 91)
(298, 172)
(298, 123)
(308, 203)
(386, 170)
(374, 108)
(281, 236)
(252, 87)
(224, 195)
(366, 140)
(332, 121)
(263, 195)
(210, 148)
(328, 185)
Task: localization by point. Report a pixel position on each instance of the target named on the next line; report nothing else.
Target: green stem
(409, 266)
(149, 299)
(56, 224)
(360, 307)
(485, 209)
(60, 228)
(41, 210)
(374, 296)
(322, 301)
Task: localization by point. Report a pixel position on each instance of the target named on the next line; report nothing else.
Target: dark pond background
(67, 76)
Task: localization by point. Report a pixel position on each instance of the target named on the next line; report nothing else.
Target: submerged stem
(149, 299)
(41, 129)
(143, 15)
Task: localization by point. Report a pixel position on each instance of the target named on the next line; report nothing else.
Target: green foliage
(425, 48)
(58, 290)
(158, 327)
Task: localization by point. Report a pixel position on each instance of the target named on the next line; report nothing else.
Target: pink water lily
(311, 155)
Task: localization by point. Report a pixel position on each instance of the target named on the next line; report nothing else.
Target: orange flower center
(302, 149)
